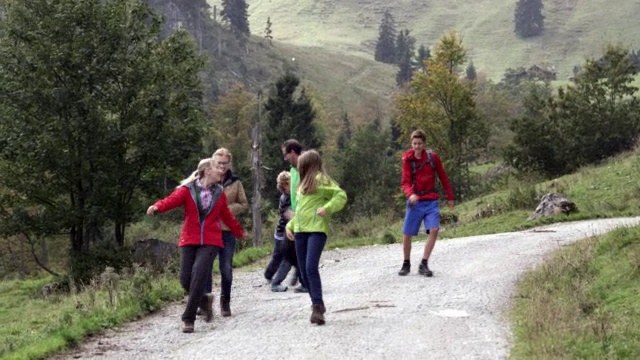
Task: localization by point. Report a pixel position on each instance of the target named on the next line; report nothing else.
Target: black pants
(195, 264)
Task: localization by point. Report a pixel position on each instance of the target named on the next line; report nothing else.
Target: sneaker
(423, 269)
(225, 306)
(278, 288)
(187, 327)
(293, 281)
(405, 269)
(301, 289)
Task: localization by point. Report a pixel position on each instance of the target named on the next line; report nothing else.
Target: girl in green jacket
(318, 198)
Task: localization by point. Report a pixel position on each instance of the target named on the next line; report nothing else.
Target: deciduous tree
(95, 110)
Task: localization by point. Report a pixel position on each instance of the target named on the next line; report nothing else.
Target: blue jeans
(226, 265)
(309, 248)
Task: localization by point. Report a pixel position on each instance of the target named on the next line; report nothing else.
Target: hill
(574, 29)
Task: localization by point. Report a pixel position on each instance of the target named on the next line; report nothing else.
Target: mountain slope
(574, 29)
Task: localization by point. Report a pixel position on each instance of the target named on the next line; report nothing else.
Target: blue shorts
(426, 211)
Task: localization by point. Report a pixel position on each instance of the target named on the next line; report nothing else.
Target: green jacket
(293, 183)
(328, 195)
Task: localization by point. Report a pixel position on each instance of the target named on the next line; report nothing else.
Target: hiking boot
(301, 289)
(405, 269)
(225, 307)
(207, 308)
(278, 288)
(423, 269)
(317, 314)
(187, 327)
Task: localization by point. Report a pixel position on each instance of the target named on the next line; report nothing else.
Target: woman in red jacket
(205, 205)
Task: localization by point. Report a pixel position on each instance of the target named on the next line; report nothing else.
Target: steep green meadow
(574, 29)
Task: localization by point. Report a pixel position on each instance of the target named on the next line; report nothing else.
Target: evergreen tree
(289, 114)
(471, 71)
(234, 12)
(268, 31)
(386, 46)
(405, 48)
(529, 20)
(345, 133)
(421, 59)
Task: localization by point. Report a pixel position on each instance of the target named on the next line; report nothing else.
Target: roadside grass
(582, 303)
(35, 326)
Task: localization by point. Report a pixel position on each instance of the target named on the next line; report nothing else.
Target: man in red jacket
(419, 169)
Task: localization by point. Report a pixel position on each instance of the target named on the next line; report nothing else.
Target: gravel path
(372, 313)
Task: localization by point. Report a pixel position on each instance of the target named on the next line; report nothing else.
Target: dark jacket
(283, 205)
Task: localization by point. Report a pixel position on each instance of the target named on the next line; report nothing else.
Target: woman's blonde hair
(309, 165)
(223, 152)
(283, 180)
(203, 165)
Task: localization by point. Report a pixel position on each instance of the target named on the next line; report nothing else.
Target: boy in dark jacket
(284, 251)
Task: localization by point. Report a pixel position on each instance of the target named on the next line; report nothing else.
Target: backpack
(414, 169)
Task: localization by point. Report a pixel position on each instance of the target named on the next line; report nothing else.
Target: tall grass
(583, 303)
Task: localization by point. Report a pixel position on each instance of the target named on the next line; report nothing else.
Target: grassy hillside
(574, 29)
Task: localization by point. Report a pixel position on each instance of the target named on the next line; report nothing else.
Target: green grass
(574, 29)
(35, 326)
(582, 303)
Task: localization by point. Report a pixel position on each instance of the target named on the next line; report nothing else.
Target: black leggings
(195, 264)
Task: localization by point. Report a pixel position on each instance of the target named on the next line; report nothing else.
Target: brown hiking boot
(207, 307)
(317, 314)
(187, 327)
(225, 308)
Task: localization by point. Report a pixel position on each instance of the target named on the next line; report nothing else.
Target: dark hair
(419, 134)
(292, 144)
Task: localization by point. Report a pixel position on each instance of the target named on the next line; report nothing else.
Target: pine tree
(529, 20)
(385, 46)
(471, 71)
(404, 57)
(234, 12)
(268, 31)
(289, 114)
(423, 55)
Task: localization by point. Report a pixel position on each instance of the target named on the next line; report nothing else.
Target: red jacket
(211, 232)
(425, 179)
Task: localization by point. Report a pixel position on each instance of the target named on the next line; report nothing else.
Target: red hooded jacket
(425, 178)
(210, 233)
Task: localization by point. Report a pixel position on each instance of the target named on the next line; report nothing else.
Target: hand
(290, 235)
(244, 236)
(413, 198)
(321, 212)
(288, 214)
(152, 210)
(451, 205)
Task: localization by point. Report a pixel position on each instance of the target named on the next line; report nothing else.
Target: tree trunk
(256, 170)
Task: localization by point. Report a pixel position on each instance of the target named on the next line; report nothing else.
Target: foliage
(234, 12)
(91, 121)
(368, 172)
(529, 20)
(442, 105)
(421, 58)
(289, 114)
(386, 45)
(601, 112)
(470, 72)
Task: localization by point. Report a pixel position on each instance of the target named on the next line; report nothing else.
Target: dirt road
(372, 313)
